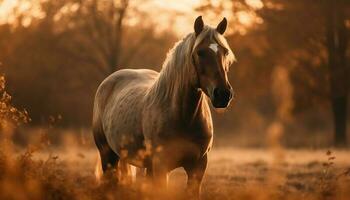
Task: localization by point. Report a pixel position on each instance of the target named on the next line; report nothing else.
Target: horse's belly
(122, 126)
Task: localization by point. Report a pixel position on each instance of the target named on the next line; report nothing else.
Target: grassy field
(68, 173)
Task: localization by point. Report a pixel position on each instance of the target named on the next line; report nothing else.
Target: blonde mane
(178, 72)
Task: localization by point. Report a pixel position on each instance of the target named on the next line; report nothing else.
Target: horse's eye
(201, 53)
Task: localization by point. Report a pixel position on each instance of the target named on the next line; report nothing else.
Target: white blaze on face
(214, 47)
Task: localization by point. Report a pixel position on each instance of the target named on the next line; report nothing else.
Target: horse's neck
(181, 98)
(188, 103)
(176, 87)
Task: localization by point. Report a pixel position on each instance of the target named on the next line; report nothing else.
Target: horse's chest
(183, 145)
(178, 138)
(200, 142)
(178, 151)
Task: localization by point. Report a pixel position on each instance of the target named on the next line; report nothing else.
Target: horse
(162, 121)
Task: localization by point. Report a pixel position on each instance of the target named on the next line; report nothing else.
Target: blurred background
(291, 77)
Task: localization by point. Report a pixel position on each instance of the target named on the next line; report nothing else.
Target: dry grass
(232, 174)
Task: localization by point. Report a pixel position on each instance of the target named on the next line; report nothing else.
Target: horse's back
(119, 80)
(118, 106)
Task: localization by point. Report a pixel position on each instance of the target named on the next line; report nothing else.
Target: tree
(55, 63)
(337, 43)
(98, 31)
(313, 40)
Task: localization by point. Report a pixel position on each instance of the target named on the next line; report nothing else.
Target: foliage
(8, 113)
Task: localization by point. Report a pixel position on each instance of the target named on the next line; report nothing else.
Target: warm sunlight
(255, 4)
(9, 9)
(174, 99)
(5, 9)
(176, 15)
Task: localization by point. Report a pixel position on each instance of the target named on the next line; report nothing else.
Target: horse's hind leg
(109, 159)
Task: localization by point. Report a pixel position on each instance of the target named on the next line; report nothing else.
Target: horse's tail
(98, 169)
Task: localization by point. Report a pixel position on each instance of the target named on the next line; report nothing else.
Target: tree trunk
(339, 106)
(337, 44)
(117, 17)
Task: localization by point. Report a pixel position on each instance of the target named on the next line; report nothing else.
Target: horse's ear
(198, 25)
(221, 28)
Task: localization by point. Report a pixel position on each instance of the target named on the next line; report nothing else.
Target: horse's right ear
(198, 25)
(222, 26)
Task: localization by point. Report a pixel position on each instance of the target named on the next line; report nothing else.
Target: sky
(5, 8)
(181, 24)
(184, 8)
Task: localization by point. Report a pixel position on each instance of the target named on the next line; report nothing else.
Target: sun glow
(10, 9)
(255, 4)
(5, 9)
(165, 15)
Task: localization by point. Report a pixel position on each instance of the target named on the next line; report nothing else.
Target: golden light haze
(176, 15)
(287, 127)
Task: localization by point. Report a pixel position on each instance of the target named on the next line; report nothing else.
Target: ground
(254, 173)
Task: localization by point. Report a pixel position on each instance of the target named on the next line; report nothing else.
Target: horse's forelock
(212, 33)
(223, 42)
(207, 31)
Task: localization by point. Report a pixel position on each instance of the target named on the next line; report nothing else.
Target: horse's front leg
(195, 171)
(159, 173)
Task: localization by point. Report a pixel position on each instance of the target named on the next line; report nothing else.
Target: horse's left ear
(221, 28)
(198, 25)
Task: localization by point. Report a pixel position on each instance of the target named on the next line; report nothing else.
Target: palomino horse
(162, 121)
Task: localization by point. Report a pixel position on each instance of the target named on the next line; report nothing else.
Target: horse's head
(212, 58)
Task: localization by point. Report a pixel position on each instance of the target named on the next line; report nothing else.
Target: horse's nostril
(221, 97)
(222, 94)
(216, 93)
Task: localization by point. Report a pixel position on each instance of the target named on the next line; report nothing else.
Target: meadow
(66, 171)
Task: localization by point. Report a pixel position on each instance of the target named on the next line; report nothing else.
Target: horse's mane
(178, 72)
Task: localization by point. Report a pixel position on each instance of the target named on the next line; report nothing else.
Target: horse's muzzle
(221, 97)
